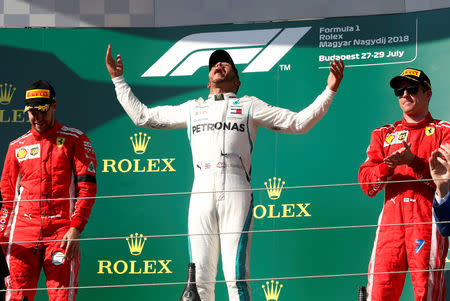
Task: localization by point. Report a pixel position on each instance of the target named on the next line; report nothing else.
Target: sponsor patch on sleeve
(91, 167)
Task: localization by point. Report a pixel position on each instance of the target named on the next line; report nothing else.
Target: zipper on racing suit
(42, 222)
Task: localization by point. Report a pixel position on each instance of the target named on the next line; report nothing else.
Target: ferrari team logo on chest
(429, 130)
(60, 141)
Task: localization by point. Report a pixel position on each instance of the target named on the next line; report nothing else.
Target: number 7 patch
(420, 243)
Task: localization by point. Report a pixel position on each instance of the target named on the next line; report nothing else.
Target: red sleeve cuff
(76, 223)
(384, 170)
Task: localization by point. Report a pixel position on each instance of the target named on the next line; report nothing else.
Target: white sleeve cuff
(440, 200)
(329, 92)
(118, 80)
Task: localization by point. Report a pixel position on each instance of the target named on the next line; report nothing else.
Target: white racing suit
(222, 131)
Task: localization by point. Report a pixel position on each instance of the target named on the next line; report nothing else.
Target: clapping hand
(440, 168)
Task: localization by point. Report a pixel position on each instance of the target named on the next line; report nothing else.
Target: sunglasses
(410, 89)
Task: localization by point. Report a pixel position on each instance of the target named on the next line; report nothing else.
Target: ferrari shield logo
(60, 141)
(429, 130)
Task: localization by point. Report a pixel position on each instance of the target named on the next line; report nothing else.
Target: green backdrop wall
(374, 48)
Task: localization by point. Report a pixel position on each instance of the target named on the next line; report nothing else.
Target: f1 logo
(261, 48)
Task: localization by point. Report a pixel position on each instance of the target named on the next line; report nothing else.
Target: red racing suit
(419, 246)
(49, 167)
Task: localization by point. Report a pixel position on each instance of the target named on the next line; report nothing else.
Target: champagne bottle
(190, 292)
(362, 293)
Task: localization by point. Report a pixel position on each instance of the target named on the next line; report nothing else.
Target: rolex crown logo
(272, 292)
(274, 188)
(6, 93)
(136, 243)
(140, 143)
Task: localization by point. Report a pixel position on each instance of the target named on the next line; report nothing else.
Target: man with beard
(47, 186)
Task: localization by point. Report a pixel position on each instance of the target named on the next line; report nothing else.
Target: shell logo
(389, 139)
(21, 153)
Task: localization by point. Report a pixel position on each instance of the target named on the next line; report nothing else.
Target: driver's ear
(237, 82)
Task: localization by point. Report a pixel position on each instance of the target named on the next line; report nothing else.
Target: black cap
(412, 75)
(221, 55)
(39, 96)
